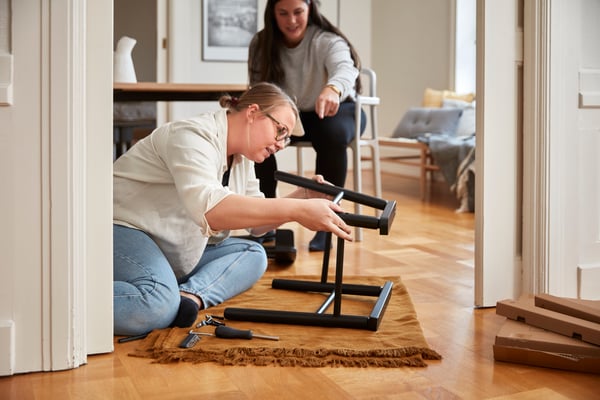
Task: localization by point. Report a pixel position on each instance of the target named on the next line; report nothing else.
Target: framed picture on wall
(227, 28)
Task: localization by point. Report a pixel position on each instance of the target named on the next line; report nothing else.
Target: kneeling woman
(178, 193)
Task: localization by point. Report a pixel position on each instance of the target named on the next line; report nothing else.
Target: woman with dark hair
(314, 63)
(181, 190)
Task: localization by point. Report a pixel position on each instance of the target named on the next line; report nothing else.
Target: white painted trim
(98, 161)
(589, 88)
(588, 281)
(497, 195)
(536, 151)
(63, 157)
(564, 130)
(7, 347)
(6, 58)
(452, 45)
(6, 79)
(163, 44)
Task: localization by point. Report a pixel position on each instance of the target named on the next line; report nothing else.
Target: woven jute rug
(399, 340)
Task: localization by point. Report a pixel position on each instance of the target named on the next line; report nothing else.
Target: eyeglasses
(283, 133)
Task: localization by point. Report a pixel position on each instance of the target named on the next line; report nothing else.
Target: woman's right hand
(328, 103)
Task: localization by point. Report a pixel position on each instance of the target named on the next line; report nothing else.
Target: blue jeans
(146, 292)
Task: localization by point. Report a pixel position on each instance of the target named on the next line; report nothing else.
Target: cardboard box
(584, 309)
(524, 310)
(524, 344)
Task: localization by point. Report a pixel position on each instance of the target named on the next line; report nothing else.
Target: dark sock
(317, 243)
(187, 314)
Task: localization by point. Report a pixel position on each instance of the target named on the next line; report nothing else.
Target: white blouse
(166, 183)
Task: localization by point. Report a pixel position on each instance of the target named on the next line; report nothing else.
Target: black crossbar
(383, 222)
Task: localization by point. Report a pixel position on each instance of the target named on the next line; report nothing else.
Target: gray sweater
(322, 58)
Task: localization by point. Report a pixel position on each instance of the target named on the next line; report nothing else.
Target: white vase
(123, 69)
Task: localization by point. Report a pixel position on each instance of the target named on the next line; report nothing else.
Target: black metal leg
(337, 289)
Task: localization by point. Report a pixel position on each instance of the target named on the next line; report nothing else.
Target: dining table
(134, 110)
(167, 91)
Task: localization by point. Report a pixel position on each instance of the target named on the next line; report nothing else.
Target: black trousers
(330, 137)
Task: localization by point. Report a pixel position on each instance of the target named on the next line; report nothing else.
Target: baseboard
(588, 282)
(7, 347)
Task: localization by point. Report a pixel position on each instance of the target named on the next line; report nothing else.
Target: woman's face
(270, 132)
(292, 20)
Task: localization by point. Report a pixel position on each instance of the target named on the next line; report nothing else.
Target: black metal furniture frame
(338, 288)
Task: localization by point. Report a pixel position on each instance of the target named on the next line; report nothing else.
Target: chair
(131, 121)
(369, 139)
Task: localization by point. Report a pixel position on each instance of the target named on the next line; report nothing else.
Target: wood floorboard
(432, 249)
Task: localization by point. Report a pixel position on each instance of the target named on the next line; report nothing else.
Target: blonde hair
(266, 95)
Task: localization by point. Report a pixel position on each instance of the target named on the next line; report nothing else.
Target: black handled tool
(190, 341)
(227, 332)
(134, 337)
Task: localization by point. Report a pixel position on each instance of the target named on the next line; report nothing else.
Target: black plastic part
(227, 332)
(283, 251)
(279, 245)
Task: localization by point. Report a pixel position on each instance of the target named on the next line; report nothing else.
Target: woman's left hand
(305, 193)
(328, 103)
(313, 194)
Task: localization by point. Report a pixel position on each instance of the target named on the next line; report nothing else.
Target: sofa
(441, 135)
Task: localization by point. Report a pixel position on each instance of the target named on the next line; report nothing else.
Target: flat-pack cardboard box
(525, 344)
(525, 310)
(584, 309)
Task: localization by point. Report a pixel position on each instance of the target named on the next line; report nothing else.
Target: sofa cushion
(466, 124)
(435, 98)
(420, 121)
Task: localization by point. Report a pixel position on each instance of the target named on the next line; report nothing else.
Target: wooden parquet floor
(431, 248)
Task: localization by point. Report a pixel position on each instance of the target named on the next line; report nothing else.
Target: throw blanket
(456, 158)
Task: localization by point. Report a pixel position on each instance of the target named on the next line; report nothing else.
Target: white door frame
(497, 247)
(63, 202)
(77, 186)
(536, 147)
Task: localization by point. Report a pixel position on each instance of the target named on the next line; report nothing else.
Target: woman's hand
(304, 193)
(321, 215)
(328, 103)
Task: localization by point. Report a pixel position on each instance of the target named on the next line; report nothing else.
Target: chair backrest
(368, 98)
(371, 87)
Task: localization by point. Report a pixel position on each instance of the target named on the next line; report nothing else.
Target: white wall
(411, 42)
(411, 51)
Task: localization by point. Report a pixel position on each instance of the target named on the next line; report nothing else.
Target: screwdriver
(227, 332)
